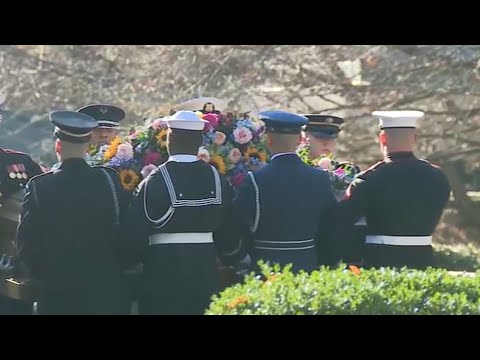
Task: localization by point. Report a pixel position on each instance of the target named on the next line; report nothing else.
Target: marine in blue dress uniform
(402, 198)
(69, 231)
(322, 132)
(178, 224)
(283, 210)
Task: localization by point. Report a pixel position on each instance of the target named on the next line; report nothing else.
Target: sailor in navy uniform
(322, 132)
(402, 198)
(178, 223)
(68, 236)
(108, 118)
(283, 210)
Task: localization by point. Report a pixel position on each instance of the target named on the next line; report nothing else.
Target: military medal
(23, 170)
(11, 173)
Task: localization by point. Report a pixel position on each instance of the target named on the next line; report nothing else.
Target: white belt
(399, 240)
(181, 238)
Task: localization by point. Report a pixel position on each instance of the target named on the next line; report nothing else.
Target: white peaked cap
(2, 98)
(185, 120)
(398, 119)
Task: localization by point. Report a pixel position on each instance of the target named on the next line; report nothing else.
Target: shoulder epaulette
(371, 168)
(9, 151)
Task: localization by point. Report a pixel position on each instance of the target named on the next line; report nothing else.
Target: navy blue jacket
(287, 219)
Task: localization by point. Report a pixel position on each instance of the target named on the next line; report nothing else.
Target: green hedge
(342, 292)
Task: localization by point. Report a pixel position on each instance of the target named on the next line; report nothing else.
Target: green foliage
(342, 292)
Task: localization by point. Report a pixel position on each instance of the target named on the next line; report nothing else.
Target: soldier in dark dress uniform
(402, 198)
(322, 132)
(68, 236)
(16, 168)
(108, 118)
(283, 210)
(178, 223)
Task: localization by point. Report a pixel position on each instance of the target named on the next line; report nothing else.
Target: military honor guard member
(108, 118)
(402, 197)
(322, 132)
(178, 224)
(284, 209)
(68, 236)
(16, 168)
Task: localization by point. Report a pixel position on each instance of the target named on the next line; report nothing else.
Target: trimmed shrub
(343, 292)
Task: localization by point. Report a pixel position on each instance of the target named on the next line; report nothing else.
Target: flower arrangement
(134, 156)
(341, 173)
(234, 144)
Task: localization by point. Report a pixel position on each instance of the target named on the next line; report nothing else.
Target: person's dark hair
(184, 141)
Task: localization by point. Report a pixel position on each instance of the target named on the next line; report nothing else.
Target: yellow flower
(217, 161)
(129, 179)
(162, 138)
(255, 153)
(112, 149)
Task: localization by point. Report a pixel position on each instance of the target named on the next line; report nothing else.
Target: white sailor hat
(185, 120)
(2, 98)
(398, 119)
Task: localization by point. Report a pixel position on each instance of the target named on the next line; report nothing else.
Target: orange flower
(354, 269)
(242, 299)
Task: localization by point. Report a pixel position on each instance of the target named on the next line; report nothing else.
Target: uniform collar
(73, 163)
(283, 154)
(401, 155)
(183, 158)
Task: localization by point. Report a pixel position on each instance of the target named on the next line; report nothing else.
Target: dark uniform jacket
(402, 199)
(177, 226)
(68, 238)
(284, 212)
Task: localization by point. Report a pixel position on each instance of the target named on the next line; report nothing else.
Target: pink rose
(152, 157)
(219, 138)
(146, 170)
(325, 163)
(213, 120)
(203, 154)
(125, 151)
(235, 155)
(242, 135)
(158, 124)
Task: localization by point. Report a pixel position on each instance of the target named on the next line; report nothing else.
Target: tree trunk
(468, 209)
